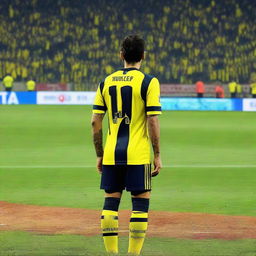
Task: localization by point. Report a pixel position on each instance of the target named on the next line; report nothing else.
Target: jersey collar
(125, 70)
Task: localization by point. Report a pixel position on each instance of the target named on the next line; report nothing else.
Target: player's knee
(113, 193)
(141, 194)
(111, 203)
(140, 204)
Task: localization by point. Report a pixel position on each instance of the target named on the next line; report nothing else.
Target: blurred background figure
(253, 84)
(219, 91)
(8, 83)
(253, 89)
(239, 91)
(200, 89)
(232, 86)
(31, 85)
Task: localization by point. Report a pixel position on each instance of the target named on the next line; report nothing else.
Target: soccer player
(131, 99)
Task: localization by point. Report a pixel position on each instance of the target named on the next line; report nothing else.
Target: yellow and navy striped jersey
(128, 95)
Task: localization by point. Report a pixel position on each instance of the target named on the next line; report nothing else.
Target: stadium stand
(78, 41)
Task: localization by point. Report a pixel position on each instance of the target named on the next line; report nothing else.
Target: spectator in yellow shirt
(253, 89)
(8, 83)
(232, 89)
(31, 85)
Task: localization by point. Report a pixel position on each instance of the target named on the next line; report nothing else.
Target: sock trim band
(138, 219)
(114, 217)
(110, 234)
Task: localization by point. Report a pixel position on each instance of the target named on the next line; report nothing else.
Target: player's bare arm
(154, 134)
(97, 138)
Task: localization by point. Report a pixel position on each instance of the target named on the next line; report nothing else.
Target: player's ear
(121, 56)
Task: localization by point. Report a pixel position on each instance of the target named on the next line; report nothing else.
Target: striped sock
(109, 226)
(138, 227)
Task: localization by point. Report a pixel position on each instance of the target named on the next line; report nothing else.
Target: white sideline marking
(166, 231)
(92, 166)
(205, 232)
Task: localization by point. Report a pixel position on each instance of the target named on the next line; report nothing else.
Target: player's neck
(133, 65)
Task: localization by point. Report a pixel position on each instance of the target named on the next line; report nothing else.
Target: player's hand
(157, 166)
(99, 164)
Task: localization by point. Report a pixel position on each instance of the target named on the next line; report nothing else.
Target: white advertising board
(249, 104)
(65, 98)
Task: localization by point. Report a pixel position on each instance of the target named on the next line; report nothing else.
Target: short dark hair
(133, 48)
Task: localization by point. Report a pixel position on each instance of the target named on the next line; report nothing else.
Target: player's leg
(138, 222)
(111, 182)
(139, 183)
(109, 221)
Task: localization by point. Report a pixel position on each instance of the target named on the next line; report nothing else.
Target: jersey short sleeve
(99, 106)
(153, 105)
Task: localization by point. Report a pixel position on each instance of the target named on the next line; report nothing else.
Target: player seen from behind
(131, 100)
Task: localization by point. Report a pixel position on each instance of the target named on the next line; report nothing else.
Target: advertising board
(65, 98)
(201, 104)
(16, 98)
(87, 98)
(249, 105)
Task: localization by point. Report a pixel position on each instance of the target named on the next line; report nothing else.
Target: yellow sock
(109, 226)
(138, 227)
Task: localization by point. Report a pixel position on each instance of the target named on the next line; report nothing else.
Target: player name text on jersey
(122, 78)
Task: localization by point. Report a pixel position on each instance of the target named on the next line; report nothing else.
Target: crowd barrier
(86, 98)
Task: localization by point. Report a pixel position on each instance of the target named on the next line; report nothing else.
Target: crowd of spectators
(78, 41)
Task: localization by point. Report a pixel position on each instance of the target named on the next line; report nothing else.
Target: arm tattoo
(155, 145)
(97, 140)
(154, 133)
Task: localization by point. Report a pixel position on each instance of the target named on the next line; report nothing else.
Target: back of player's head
(132, 48)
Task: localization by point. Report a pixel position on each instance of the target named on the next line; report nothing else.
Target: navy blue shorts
(130, 177)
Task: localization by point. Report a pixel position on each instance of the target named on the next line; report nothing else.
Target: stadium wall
(86, 98)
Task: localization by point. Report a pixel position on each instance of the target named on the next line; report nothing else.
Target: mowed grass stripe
(23, 243)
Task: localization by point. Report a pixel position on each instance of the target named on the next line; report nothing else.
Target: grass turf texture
(21, 243)
(48, 136)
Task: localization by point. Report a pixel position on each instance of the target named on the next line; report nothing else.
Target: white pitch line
(92, 166)
(205, 232)
(45, 166)
(213, 166)
(166, 231)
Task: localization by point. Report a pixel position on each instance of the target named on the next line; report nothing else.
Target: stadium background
(78, 41)
(46, 154)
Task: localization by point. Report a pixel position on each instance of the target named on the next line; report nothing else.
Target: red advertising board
(52, 87)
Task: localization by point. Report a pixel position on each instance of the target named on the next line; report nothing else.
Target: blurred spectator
(219, 91)
(232, 89)
(239, 90)
(253, 89)
(200, 89)
(31, 85)
(8, 83)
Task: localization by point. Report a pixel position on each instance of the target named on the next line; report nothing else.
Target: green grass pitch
(47, 158)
